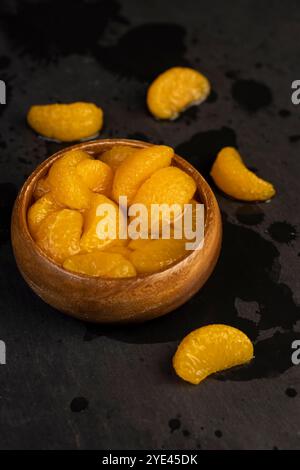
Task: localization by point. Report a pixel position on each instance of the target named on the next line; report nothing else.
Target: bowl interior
(95, 148)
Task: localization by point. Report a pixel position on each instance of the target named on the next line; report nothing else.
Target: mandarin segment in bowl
(175, 90)
(157, 255)
(59, 234)
(232, 176)
(96, 175)
(71, 159)
(139, 166)
(188, 232)
(40, 210)
(166, 186)
(101, 263)
(211, 349)
(90, 240)
(66, 122)
(66, 185)
(139, 243)
(116, 155)
(42, 187)
(121, 250)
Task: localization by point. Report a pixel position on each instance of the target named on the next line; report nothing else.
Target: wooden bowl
(102, 300)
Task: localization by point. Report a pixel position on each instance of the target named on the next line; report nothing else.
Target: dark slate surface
(71, 385)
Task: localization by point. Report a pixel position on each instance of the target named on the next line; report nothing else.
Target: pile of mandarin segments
(64, 218)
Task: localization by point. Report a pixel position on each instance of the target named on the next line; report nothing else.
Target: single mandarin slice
(188, 232)
(39, 211)
(59, 234)
(101, 224)
(122, 241)
(175, 90)
(72, 158)
(232, 176)
(96, 175)
(66, 185)
(193, 204)
(139, 243)
(121, 250)
(157, 255)
(166, 186)
(211, 349)
(137, 168)
(101, 263)
(66, 122)
(42, 188)
(116, 155)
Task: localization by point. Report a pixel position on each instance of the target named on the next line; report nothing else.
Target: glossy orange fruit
(90, 240)
(211, 349)
(232, 176)
(96, 175)
(67, 186)
(59, 234)
(101, 263)
(157, 255)
(66, 122)
(170, 186)
(42, 188)
(40, 210)
(175, 90)
(116, 155)
(137, 168)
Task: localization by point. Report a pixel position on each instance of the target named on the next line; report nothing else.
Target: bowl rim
(41, 170)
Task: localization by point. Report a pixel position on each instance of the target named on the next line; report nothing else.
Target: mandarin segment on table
(233, 177)
(175, 90)
(66, 122)
(210, 349)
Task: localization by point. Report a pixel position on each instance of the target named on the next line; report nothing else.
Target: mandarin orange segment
(100, 224)
(170, 186)
(42, 188)
(101, 263)
(193, 204)
(122, 241)
(66, 185)
(71, 159)
(175, 90)
(59, 234)
(66, 122)
(96, 175)
(40, 210)
(187, 218)
(116, 155)
(139, 243)
(157, 255)
(137, 168)
(121, 250)
(232, 176)
(211, 349)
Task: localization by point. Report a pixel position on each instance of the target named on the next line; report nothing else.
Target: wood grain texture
(102, 300)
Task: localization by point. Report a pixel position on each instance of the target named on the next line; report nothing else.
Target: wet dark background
(71, 385)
